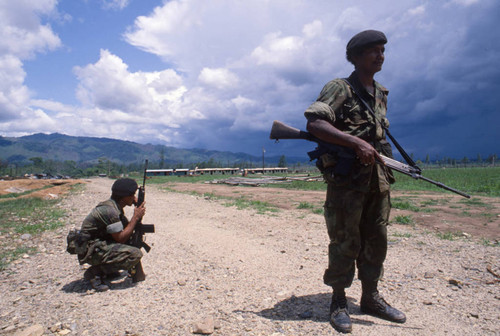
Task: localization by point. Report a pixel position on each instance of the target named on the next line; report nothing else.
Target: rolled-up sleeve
(114, 227)
(320, 110)
(329, 102)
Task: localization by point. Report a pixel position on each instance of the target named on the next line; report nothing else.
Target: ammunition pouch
(333, 159)
(77, 242)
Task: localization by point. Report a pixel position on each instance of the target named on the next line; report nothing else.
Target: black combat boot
(339, 312)
(93, 275)
(373, 303)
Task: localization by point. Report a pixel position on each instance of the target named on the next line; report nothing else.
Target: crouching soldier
(108, 231)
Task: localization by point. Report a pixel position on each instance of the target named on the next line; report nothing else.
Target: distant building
(266, 170)
(159, 172)
(213, 171)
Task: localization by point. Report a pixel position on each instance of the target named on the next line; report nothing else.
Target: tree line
(104, 166)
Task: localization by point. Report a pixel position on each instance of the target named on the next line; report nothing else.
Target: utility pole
(263, 165)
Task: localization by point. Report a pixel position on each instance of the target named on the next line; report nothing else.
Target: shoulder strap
(405, 155)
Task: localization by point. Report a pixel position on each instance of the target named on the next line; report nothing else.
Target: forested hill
(60, 147)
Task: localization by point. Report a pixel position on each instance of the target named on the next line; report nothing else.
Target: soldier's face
(371, 59)
(129, 200)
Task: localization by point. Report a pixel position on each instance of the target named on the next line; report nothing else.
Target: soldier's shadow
(83, 286)
(314, 307)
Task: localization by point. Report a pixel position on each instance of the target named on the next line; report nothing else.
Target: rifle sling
(407, 158)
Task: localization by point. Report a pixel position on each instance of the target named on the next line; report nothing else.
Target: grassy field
(475, 181)
(25, 216)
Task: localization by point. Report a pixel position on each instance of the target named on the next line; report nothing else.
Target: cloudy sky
(214, 74)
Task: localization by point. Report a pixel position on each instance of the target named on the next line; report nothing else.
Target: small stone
(34, 330)
(26, 236)
(204, 327)
(455, 282)
(9, 328)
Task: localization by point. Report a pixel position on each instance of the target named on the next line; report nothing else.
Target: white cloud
(219, 78)
(115, 4)
(420, 10)
(277, 50)
(21, 36)
(21, 33)
(232, 67)
(465, 2)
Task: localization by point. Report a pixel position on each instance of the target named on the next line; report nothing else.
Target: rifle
(347, 156)
(137, 238)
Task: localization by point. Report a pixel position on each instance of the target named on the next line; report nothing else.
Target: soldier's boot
(339, 312)
(110, 273)
(93, 275)
(137, 273)
(373, 303)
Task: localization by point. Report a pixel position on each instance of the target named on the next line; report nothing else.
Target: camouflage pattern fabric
(112, 257)
(349, 113)
(104, 220)
(357, 227)
(351, 116)
(357, 205)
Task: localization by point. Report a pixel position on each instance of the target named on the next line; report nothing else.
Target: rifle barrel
(441, 185)
(145, 173)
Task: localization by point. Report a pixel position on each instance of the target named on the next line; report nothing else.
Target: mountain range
(61, 147)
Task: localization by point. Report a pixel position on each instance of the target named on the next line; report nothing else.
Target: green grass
(27, 215)
(312, 207)
(487, 242)
(447, 235)
(475, 202)
(318, 211)
(305, 205)
(7, 256)
(483, 181)
(406, 220)
(404, 204)
(477, 180)
(259, 206)
(402, 235)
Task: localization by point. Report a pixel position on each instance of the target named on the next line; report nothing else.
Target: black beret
(124, 187)
(365, 38)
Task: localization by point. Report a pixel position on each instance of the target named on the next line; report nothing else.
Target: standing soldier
(357, 202)
(109, 231)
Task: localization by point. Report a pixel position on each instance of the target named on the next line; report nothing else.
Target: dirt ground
(245, 273)
(47, 189)
(450, 213)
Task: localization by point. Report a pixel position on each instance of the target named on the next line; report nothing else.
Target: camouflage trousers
(112, 257)
(357, 227)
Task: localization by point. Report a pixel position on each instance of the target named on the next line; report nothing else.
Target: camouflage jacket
(106, 218)
(350, 115)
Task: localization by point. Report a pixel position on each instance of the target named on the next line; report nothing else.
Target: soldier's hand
(366, 153)
(140, 210)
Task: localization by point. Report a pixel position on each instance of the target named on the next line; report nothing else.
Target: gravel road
(245, 273)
